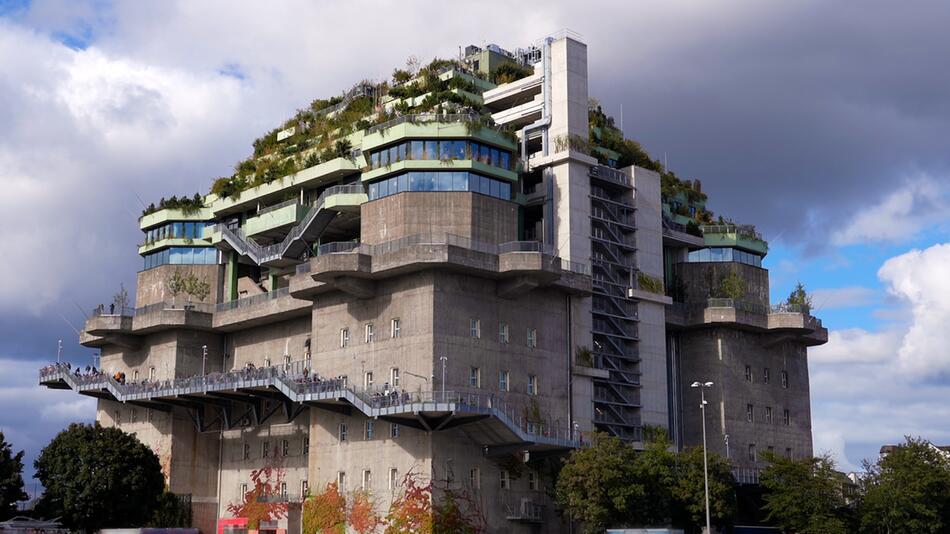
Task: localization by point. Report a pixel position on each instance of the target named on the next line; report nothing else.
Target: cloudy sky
(827, 127)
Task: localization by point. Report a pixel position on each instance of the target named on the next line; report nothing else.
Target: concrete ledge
(592, 372)
(650, 296)
(170, 319)
(99, 325)
(269, 311)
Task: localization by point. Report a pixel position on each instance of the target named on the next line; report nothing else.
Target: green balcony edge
(288, 215)
(440, 165)
(435, 130)
(173, 242)
(736, 240)
(169, 215)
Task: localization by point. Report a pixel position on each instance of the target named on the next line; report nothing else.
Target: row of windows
(369, 431)
(750, 415)
(504, 381)
(441, 150)
(304, 488)
(177, 230)
(440, 181)
(281, 448)
(475, 331)
(753, 456)
(394, 480)
(724, 254)
(766, 376)
(182, 256)
(369, 332)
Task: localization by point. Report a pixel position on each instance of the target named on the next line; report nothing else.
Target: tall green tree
(908, 490)
(806, 496)
(98, 477)
(689, 490)
(11, 479)
(597, 484)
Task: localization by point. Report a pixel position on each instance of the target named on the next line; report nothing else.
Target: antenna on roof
(621, 121)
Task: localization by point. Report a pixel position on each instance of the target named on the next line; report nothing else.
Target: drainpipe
(570, 375)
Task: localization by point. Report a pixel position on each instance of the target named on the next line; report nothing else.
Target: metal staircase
(615, 319)
(295, 243)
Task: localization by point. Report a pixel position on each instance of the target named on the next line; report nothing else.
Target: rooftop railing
(423, 117)
(276, 207)
(253, 300)
(744, 230)
(123, 311)
(202, 307)
(610, 174)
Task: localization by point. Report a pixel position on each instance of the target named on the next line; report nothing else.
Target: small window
(394, 328)
(116, 417)
(532, 338)
(151, 374)
(265, 449)
(752, 452)
(342, 431)
(394, 377)
(503, 333)
(285, 448)
(394, 430)
(770, 449)
(306, 445)
(367, 479)
(503, 380)
(768, 414)
(765, 375)
(749, 413)
(368, 379)
(532, 481)
(247, 451)
(532, 385)
(393, 478)
(243, 490)
(341, 481)
(748, 373)
(344, 337)
(505, 480)
(788, 452)
(475, 478)
(476, 328)
(369, 430)
(475, 377)
(135, 376)
(283, 489)
(343, 381)
(132, 415)
(785, 379)
(370, 335)
(304, 488)
(786, 417)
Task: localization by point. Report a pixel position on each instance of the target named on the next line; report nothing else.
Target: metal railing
(201, 307)
(525, 246)
(423, 117)
(296, 382)
(124, 311)
(337, 247)
(253, 300)
(611, 175)
(745, 230)
(275, 207)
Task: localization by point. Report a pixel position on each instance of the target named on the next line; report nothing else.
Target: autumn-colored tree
(411, 510)
(258, 504)
(362, 516)
(325, 513)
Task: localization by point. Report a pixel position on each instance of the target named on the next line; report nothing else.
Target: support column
(230, 277)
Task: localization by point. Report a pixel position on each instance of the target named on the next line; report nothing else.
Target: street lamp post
(444, 359)
(204, 358)
(702, 407)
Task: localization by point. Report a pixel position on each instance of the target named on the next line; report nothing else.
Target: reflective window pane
(402, 151)
(458, 149)
(445, 149)
(417, 149)
(505, 163)
(432, 150)
(494, 157)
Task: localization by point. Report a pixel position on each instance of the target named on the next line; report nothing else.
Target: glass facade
(718, 254)
(440, 181)
(439, 150)
(179, 230)
(182, 256)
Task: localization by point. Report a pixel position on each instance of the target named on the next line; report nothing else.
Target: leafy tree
(255, 505)
(98, 477)
(689, 489)
(799, 298)
(732, 286)
(597, 484)
(806, 496)
(362, 516)
(907, 491)
(325, 513)
(411, 511)
(11, 479)
(171, 512)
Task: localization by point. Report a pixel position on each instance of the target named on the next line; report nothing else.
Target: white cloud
(917, 204)
(872, 387)
(842, 297)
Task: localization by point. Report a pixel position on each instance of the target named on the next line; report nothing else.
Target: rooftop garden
(187, 205)
(318, 133)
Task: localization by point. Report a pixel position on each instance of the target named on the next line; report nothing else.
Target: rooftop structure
(460, 273)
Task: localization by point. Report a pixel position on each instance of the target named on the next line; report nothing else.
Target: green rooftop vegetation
(185, 204)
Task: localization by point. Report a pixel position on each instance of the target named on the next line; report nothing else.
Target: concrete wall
(150, 285)
(268, 342)
(720, 355)
(701, 281)
(472, 215)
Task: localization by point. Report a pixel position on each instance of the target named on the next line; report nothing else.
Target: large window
(182, 256)
(176, 230)
(440, 181)
(441, 149)
(724, 254)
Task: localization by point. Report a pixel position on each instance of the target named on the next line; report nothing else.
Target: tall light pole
(204, 358)
(444, 359)
(702, 407)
